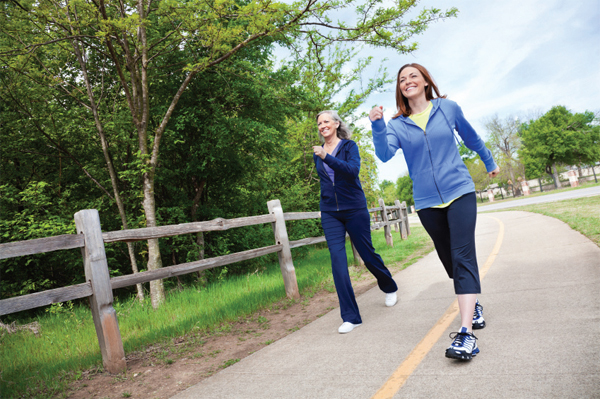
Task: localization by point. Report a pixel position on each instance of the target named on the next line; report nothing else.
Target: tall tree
(92, 50)
(559, 137)
(505, 143)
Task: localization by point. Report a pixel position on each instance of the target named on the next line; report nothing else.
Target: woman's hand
(319, 151)
(494, 172)
(376, 113)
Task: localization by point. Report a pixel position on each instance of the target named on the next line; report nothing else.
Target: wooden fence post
(285, 255)
(405, 213)
(405, 231)
(398, 216)
(403, 221)
(357, 259)
(96, 272)
(387, 231)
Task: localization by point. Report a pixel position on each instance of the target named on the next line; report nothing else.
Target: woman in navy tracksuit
(344, 209)
(443, 190)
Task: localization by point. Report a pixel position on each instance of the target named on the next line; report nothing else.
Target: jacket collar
(436, 104)
(344, 142)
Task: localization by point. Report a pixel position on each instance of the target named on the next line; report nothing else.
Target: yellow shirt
(421, 120)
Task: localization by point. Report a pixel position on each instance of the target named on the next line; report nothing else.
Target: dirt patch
(162, 371)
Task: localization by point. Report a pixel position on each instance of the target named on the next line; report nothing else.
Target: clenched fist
(376, 113)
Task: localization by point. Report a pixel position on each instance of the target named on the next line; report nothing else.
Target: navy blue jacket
(346, 193)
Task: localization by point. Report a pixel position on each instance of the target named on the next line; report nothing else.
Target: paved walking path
(541, 298)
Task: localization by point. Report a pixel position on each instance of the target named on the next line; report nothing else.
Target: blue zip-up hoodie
(346, 192)
(438, 173)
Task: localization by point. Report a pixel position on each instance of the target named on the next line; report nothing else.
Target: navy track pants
(452, 230)
(357, 223)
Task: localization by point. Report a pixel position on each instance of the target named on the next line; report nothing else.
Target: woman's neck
(332, 140)
(418, 105)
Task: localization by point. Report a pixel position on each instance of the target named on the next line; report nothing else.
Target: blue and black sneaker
(478, 321)
(464, 346)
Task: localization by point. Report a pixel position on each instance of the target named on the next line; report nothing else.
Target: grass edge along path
(581, 214)
(42, 365)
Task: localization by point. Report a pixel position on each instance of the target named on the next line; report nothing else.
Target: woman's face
(412, 83)
(327, 126)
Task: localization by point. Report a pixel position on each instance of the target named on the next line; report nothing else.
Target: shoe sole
(478, 326)
(453, 354)
(349, 331)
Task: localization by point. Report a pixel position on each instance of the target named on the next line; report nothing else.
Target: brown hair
(402, 102)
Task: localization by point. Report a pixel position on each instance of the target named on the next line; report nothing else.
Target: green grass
(42, 365)
(581, 214)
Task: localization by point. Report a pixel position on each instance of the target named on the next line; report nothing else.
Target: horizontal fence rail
(301, 215)
(307, 241)
(99, 285)
(190, 267)
(218, 224)
(44, 298)
(40, 245)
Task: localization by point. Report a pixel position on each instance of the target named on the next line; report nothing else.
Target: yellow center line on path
(414, 358)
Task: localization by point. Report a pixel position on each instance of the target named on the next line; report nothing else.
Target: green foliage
(466, 153)
(404, 190)
(559, 137)
(478, 173)
(388, 192)
(178, 105)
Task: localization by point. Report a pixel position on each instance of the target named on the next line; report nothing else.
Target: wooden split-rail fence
(99, 286)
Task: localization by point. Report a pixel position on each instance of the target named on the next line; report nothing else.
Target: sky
(510, 58)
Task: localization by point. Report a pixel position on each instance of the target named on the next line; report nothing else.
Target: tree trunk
(108, 160)
(516, 187)
(157, 289)
(555, 176)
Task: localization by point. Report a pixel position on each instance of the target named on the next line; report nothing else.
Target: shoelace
(459, 338)
(478, 312)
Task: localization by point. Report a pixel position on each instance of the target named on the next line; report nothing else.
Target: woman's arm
(348, 168)
(473, 141)
(385, 138)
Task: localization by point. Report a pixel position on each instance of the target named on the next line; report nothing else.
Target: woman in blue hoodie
(344, 209)
(443, 190)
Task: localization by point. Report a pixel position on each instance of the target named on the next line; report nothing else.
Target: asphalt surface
(541, 298)
(563, 195)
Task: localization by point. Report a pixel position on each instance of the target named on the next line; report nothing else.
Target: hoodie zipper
(432, 169)
(335, 194)
(333, 184)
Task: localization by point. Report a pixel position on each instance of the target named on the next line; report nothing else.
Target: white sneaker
(391, 299)
(347, 327)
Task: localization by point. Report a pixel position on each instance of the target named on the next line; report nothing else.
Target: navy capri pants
(357, 223)
(452, 230)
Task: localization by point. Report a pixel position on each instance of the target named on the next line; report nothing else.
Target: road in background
(564, 195)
